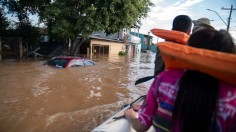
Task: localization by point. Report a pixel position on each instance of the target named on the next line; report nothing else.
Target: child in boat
(184, 100)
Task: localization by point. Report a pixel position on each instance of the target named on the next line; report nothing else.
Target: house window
(144, 40)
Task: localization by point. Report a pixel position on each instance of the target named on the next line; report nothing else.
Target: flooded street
(35, 97)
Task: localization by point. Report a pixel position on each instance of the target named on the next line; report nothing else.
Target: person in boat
(190, 101)
(182, 23)
(201, 23)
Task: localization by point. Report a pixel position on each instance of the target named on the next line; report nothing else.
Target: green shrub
(122, 53)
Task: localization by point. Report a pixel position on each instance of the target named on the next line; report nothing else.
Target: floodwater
(36, 98)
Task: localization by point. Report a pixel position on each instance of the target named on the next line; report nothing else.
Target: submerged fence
(14, 47)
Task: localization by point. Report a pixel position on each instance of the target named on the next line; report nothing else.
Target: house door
(100, 49)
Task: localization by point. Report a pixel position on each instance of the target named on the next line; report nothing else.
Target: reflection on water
(35, 97)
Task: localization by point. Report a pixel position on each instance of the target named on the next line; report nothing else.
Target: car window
(88, 63)
(57, 62)
(78, 63)
(71, 64)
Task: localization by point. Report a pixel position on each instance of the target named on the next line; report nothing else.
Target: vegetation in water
(122, 53)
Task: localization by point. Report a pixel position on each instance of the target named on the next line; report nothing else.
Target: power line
(227, 24)
(231, 9)
(218, 16)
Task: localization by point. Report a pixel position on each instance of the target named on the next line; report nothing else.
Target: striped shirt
(162, 94)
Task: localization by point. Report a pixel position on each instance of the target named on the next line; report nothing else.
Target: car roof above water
(69, 57)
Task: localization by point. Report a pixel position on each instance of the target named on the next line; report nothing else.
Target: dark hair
(201, 26)
(196, 101)
(212, 40)
(182, 23)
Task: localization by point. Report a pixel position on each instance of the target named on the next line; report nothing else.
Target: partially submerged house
(100, 43)
(105, 46)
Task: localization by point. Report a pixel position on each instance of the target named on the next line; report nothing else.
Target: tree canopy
(70, 18)
(23, 8)
(74, 17)
(3, 23)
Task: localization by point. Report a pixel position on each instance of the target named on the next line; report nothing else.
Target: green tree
(68, 19)
(28, 33)
(3, 23)
(21, 9)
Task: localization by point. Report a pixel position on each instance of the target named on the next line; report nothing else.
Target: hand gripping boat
(118, 123)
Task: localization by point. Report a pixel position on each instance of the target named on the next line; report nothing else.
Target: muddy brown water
(38, 98)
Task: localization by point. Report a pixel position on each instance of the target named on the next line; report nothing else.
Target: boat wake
(81, 120)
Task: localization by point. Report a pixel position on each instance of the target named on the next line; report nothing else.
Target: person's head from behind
(196, 101)
(201, 23)
(211, 39)
(182, 23)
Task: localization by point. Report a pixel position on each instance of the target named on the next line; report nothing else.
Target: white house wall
(114, 47)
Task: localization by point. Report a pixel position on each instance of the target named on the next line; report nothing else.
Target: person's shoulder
(227, 86)
(227, 102)
(171, 75)
(227, 93)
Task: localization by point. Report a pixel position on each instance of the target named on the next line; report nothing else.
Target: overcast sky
(163, 13)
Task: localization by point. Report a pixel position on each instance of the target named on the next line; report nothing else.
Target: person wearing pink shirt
(190, 101)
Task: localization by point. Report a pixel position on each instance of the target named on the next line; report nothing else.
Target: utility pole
(231, 9)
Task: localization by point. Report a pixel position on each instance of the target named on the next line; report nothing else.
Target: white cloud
(162, 15)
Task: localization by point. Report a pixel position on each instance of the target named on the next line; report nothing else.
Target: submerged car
(69, 61)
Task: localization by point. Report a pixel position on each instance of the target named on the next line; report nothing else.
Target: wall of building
(114, 46)
(153, 47)
(144, 42)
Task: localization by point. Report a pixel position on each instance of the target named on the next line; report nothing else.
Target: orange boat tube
(217, 64)
(171, 35)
